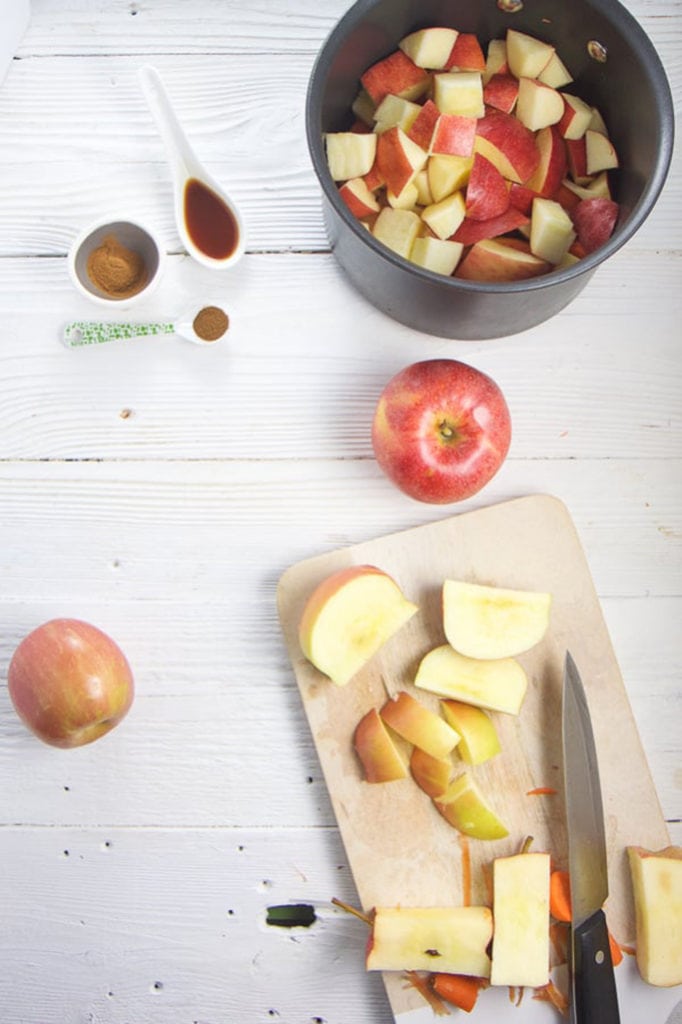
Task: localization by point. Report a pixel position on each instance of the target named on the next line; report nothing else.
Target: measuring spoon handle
(95, 332)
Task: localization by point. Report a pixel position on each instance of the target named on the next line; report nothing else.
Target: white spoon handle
(180, 152)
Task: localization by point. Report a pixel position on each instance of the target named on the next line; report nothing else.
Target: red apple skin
(69, 682)
(441, 430)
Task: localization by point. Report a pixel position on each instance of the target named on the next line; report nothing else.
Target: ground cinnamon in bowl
(210, 323)
(116, 270)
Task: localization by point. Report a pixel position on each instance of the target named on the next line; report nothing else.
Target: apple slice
(452, 940)
(397, 230)
(398, 158)
(600, 152)
(496, 60)
(363, 107)
(459, 92)
(350, 154)
(479, 741)
(551, 168)
(493, 622)
(465, 808)
(508, 144)
(406, 200)
(358, 198)
(657, 886)
(466, 53)
(448, 174)
(493, 260)
(421, 183)
(551, 231)
(521, 197)
(445, 216)
(438, 255)
(349, 616)
(378, 753)
(501, 92)
(418, 725)
(395, 74)
(487, 193)
(471, 231)
(594, 220)
(429, 47)
(521, 913)
(538, 105)
(527, 56)
(597, 187)
(498, 685)
(555, 72)
(576, 159)
(576, 117)
(394, 110)
(432, 774)
(454, 135)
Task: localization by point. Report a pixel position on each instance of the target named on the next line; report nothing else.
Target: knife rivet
(599, 957)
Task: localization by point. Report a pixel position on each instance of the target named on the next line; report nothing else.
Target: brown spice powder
(116, 270)
(210, 323)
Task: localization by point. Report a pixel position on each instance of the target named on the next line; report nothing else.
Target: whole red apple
(69, 682)
(441, 430)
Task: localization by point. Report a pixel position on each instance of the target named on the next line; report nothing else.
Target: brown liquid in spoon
(210, 223)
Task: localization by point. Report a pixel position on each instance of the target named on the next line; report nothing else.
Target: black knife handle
(595, 1000)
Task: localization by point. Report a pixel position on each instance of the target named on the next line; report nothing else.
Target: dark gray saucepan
(630, 89)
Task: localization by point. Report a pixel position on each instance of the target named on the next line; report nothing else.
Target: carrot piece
(616, 951)
(422, 986)
(542, 791)
(458, 989)
(551, 994)
(560, 895)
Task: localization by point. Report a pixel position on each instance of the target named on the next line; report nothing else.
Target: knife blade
(594, 998)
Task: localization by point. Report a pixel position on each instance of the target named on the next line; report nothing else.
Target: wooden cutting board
(399, 848)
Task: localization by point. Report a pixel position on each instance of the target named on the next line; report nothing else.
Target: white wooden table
(159, 490)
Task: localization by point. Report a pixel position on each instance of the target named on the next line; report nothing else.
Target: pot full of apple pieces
(478, 164)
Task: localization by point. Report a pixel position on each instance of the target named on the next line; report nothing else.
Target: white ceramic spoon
(187, 170)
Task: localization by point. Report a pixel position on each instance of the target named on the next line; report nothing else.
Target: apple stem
(352, 910)
(526, 845)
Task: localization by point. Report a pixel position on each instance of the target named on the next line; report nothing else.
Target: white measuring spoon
(80, 333)
(187, 170)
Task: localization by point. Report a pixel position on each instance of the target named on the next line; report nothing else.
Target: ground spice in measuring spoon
(116, 270)
(210, 323)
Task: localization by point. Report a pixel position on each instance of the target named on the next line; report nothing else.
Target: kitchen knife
(594, 998)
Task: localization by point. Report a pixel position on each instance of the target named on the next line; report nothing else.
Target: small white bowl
(128, 233)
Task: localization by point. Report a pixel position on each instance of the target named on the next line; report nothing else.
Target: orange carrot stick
(616, 951)
(542, 791)
(560, 895)
(458, 989)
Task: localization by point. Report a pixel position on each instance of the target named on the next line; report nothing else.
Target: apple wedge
(495, 60)
(538, 105)
(397, 229)
(466, 54)
(348, 617)
(501, 92)
(418, 725)
(358, 198)
(527, 56)
(493, 622)
(600, 152)
(378, 754)
(508, 144)
(445, 216)
(422, 128)
(395, 111)
(441, 256)
(594, 220)
(521, 913)
(350, 154)
(491, 260)
(487, 193)
(398, 158)
(452, 940)
(496, 685)
(432, 774)
(395, 74)
(459, 92)
(555, 72)
(454, 135)
(576, 118)
(657, 886)
(551, 231)
(479, 741)
(465, 808)
(429, 47)
(447, 174)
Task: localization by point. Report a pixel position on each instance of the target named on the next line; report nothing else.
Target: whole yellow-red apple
(441, 430)
(69, 682)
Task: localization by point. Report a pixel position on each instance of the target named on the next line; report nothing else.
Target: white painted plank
(158, 926)
(275, 389)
